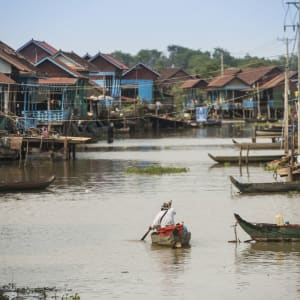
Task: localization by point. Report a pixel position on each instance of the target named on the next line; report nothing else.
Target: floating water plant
(155, 170)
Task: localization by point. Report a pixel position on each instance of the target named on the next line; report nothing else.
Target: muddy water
(84, 231)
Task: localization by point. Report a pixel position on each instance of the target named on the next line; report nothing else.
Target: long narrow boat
(258, 146)
(266, 187)
(171, 236)
(243, 158)
(265, 232)
(17, 186)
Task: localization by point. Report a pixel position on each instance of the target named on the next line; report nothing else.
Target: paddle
(144, 236)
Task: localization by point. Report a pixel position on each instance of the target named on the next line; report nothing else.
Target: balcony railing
(31, 118)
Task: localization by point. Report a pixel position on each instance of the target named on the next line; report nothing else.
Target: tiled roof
(81, 63)
(12, 57)
(191, 83)
(5, 79)
(58, 81)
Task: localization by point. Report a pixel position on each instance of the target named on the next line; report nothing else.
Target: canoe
(265, 232)
(171, 236)
(249, 159)
(258, 146)
(207, 123)
(16, 186)
(266, 187)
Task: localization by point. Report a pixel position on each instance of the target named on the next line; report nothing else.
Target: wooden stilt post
(27, 150)
(74, 151)
(247, 156)
(66, 154)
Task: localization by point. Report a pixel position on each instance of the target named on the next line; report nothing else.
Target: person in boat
(165, 217)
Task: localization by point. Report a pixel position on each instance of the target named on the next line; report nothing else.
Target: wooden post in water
(247, 156)
(254, 136)
(66, 152)
(74, 151)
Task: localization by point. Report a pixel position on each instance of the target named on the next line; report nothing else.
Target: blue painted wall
(145, 88)
(115, 89)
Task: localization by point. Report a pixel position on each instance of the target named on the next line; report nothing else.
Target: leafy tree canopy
(197, 62)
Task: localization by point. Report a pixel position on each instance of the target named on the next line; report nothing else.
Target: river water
(84, 231)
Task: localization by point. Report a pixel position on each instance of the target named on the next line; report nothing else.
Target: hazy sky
(239, 26)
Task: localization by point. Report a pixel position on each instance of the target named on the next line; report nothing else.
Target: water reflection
(263, 262)
(171, 264)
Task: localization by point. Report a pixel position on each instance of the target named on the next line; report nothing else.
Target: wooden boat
(243, 158)
(265, 232)
(25, 185)
(284, 171)
(266, 187)
(171, 236)
(258, 146)
(207, 123)
(168, 122)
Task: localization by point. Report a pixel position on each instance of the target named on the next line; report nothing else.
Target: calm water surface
(84, 231)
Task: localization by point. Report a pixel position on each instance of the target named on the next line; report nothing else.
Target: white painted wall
(5, 67)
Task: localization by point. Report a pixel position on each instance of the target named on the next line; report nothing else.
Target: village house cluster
(41, 85)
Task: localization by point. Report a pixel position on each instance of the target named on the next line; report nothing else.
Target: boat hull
(171, 236)
(266, 187)
(258, 146)
(25, 186)
(249, 159)
(265, 232)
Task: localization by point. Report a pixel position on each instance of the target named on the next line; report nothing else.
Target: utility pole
(297, 5)
(286, 98)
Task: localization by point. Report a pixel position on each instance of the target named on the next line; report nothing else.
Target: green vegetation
(155, 170)
(227, 164)
(198, 62)
(270, 168)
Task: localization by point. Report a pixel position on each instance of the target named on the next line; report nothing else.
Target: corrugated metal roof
(80, 64)
(61, 65)
(169, 73)
(221, 81)
(248, 76)
(232, 71)
(45, 46)
(42, 44)
(140, 65)
(191, 83)
(278, 80)
(252, 75)
(116, 61)
(110, 59)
